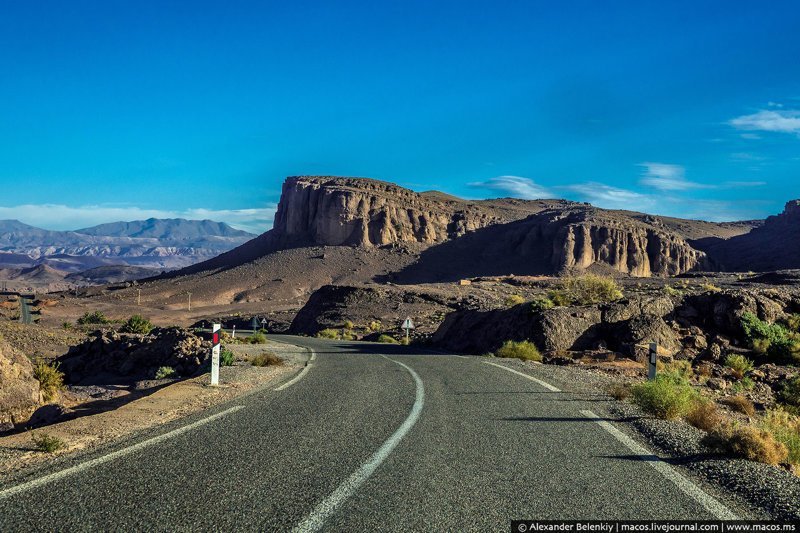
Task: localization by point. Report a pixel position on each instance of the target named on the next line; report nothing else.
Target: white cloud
(516, 186)
(783, 121)
(602, 195)
(750, 136)
(665, 177)
(62, 217)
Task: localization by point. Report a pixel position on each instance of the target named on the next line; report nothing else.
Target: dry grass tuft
(266, 359)
(740, 404)
(704, 415)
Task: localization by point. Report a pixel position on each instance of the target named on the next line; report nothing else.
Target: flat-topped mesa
(364, 212)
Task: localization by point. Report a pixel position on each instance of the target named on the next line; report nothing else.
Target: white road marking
(539, 381)
(295, 379)
(28, 485)
(690, 489)
(316, 519)
(313, 355)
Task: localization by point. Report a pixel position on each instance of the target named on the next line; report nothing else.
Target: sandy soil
(167, 403)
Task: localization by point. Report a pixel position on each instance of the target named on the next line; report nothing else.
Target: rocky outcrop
(364, 212)
(110, 354)
(19, 390)
(775, 245)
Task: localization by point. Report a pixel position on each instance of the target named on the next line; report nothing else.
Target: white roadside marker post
(651, 370)
(233, 334)
(408, 325)
(215, 332)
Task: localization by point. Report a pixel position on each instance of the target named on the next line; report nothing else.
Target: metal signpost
(215, 332)
(651, 370)
(254, 324)
(408, 325)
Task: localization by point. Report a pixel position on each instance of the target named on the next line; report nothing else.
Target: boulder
(632, 336)
(567, 328)
(19, 390)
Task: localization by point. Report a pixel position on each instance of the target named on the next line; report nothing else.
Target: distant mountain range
(152, 244)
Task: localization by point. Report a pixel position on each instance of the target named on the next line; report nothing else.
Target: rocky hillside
(774, 245)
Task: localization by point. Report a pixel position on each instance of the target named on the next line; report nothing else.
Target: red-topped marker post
(215, 332)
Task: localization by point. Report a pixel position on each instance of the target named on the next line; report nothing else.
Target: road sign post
(408, 325)
(215, 332)
(651, 369)
(254, 324)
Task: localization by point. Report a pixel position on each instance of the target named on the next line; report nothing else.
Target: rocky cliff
(364, 212)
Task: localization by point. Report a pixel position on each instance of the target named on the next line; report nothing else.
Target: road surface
(24, 310)
(368, 437)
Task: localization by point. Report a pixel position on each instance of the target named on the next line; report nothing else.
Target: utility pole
(190, 300)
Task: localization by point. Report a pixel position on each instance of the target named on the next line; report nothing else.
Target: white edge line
(313, 355)
(22, 487)
(295, 379)
(316, 518)
(539, 381)
(687, 487)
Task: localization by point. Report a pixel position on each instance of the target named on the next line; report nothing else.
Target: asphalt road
(365, 442)
(24, 311)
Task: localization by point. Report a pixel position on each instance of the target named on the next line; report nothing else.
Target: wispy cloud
(666, 177)
(516, 186)
(63, 217)
(602, 195)
(773, 120)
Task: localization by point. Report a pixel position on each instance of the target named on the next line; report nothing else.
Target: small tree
(137, 324)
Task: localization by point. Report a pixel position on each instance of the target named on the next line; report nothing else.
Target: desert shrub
(93, 318)
(47, 443)
(541, 304)
(793, 323)
(669, 290)
(744, 384)
(739, 364)
(740, 404)
(710, 287)
(388, 339)
(585, 290)
(619, 391)
(785, 427)
(514, 299)
(137, 324)
(348, 324)
(773, 340)
(347, 335)
(679, 370)
(50, 378)
(704, 415)
(374, 325)
(405, 341)
(664, 397)
(747, 442)
(164, 372)
(257, 338)
(790, 393)
(266, 359)
(328, 333)
(66, 325)
(525, 350)
(226, 357)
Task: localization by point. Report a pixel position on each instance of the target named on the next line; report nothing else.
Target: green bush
(328, 333)
(348, 324)
(226, 357)
(739, 364)
(514, 299)
(47, 443)
(710, 287)
(50, 378)
(93, 318)
(374, 325)
(669, 290)
(347, 335)
(790, 394)
(541, 304)
(257, 338)
(164, 372)
(266, 359)
(678, 371)
(525, 350)
(66, 325)
(773, 340)
(785, 427)
(587, 289)
(664, 397)
(137, 324)
(388, 339)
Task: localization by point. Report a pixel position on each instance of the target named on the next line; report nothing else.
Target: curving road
(370, 437)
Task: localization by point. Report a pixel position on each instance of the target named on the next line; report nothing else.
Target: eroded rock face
(19, 390)
(352, 211)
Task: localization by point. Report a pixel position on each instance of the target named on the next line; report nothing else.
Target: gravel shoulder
(170, 402)
(765, 490)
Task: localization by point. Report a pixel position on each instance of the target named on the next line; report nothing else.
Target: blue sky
(121, 110)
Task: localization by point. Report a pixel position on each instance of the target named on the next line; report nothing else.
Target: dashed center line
(526, 376)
